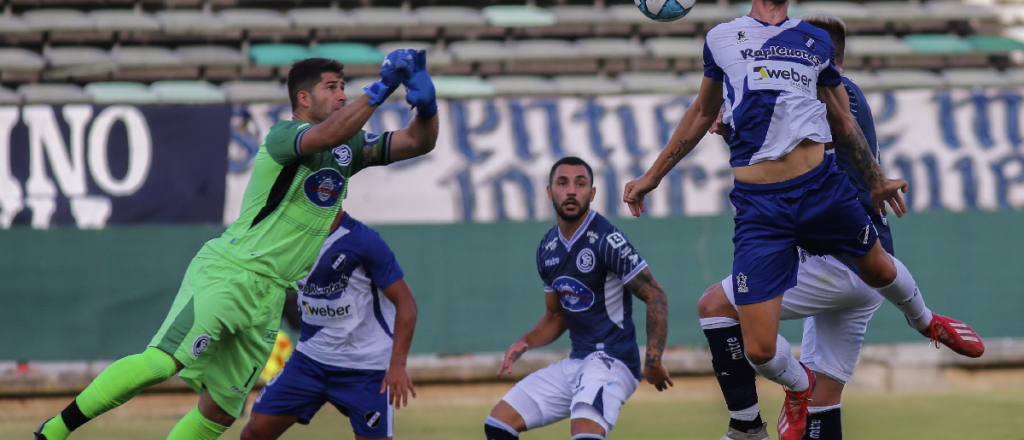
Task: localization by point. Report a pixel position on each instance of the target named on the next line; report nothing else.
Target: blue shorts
(304, 385)
(818, 211)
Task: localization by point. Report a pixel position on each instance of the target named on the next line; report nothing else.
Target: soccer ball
(664, 10)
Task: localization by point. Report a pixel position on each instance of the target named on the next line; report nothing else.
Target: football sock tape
(824, 425)
(495, 429)
(196, 427)
(735, 375)
(587, 436)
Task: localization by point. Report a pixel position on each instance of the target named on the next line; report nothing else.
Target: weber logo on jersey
(342, 308)
(782, 76)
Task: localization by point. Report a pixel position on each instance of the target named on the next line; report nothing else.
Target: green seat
(187, 92)
(518, 16)
(349, 53)
(278, 54)
(121, 92)
(994, 43)
(938, 44)
(458, 86)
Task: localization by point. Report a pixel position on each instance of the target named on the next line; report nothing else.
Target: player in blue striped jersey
(589, 269)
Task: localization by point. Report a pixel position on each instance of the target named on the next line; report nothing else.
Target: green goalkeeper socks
(196, 427)
(121, 381)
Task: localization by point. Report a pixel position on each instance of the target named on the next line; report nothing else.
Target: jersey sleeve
(282, 141)
(380, 263)
(619, 256)
(368, 150)
(711, 68)
(544, 278)
(829, 75)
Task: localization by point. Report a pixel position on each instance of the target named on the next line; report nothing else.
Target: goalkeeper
(224, 320)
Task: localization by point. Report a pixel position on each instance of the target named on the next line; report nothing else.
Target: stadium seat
(675, 47)
(1014, 77)
(124, 20)
(435, 58)
(9, 97)
(272, 54)
(187, 92)
(120, 92)
(876, 45)
(629, 14)
(20, 60)
(53, 94)
(543, 49)
(957, 11)
(382, 18)
(897, 11)
(61, 20)
(255, 91)
(518, 16)
(890, 79)
(657, 82)
(78, 60)
(189, 22)
(449, 16)
(579, 14)
(457, 86)
(145, 57)
(971, 78)
(994, 43)
(522, 85)
(937, 44)
(586, 85)
(867, 81)
(349, 53)
(13, 26)
(254, 19)
(319, 18)
(610, 48)
(210, 56)
(711, 15)
(848, 11)
(479, 50)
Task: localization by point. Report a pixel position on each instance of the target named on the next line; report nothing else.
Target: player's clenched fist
(635, 192)
(511, 355)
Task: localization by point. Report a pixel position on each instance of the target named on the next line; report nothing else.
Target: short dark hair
(307, 73)
(835, 27)
(570, 160)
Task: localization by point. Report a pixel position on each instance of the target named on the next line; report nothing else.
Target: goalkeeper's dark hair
(835, 27)
(571, 160)
(306, 74)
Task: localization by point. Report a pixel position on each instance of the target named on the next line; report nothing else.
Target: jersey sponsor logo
(741, 37)
(625, 252)
(551, 244)
(574, 295)
(199, 344)
(270, 336)
(338, 261)
(585, 261)
(634, 259)
(616, 240)
(369, 138)
(331, 312)
(781, 51)
(551, 261)
(782, 75)
(324, 187)
(808, 41)
(343, 155)
(865, 234)
(592, 236)
(372, 418)
(313, 289)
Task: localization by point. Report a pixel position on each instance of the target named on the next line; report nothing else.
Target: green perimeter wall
(67, 294)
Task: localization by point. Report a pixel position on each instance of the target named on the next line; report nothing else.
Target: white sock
(821, 409)
(747, 415)
(905, 295)
(717, 322)
(784, 369)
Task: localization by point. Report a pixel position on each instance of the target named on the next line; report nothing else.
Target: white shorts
(835, 306)
(593, 388)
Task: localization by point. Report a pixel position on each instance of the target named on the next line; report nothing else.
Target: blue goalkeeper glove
(396, 68)
(420, 89)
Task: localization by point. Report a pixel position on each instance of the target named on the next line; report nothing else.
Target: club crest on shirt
(585, 261)
(324, 187)
(343, 155)
(338, 261)
(574, 295)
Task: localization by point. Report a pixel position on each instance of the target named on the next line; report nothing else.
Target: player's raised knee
(759, 354)
(714, 304)
(879, 273)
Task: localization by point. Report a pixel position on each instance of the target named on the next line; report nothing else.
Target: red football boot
(956, 335)
(793, 420)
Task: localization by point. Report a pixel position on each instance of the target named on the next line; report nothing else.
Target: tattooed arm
(691, 129)
(645, 287)
(849, 136)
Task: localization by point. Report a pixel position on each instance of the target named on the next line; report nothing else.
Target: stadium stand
(126, 49)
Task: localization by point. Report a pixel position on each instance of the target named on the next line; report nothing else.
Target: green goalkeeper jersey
(291, 202)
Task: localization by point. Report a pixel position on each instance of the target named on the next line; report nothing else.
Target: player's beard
(323, 109)
(583, 207)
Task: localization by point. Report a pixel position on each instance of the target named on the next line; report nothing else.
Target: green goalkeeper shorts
(222, 328)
